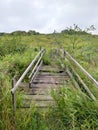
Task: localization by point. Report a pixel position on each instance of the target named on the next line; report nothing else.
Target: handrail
(34, 75)
(36, 66)
(83, 84)
(15, 84)
(81, 68)
(25, 72)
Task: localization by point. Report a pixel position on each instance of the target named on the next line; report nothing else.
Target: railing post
(14, 97)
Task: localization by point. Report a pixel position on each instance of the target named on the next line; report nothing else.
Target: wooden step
(44, 105)
(41, 102)
(39, 94)
(48, 82)
(49, 69)
(38, 97)
(52, 74)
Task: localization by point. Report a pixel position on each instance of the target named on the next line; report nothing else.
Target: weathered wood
(82, 69)
(49, 79)
(41, 105)
(84, 85)
(38, 97)
(47, 69)
(50, 83)
(73, 80)
(43, 86)
(14, 97)
(35, 67)
(52, 74)
(39, 93)
(26, 71)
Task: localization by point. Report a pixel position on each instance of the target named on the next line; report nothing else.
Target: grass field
(72, 111)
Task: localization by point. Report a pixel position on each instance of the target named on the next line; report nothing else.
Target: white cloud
(47, 15)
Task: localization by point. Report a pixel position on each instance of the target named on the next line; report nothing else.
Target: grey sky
(47, 15)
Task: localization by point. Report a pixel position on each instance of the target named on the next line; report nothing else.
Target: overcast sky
(45, 16)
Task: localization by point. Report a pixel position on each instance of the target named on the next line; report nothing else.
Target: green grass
(72, 110)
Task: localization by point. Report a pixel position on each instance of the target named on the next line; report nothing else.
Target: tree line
(23, 33)
(75, 29)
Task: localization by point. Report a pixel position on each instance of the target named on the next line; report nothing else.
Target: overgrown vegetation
(72, 110)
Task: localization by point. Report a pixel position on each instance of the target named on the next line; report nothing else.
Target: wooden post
(14, 97)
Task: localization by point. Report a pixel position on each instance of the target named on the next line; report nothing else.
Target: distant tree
(4, 34)
(32, 32)
(90, 28)
(75, 29)
(1, 34)
(18, 33)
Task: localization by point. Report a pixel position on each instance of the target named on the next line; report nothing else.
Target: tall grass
(6, 118)
(72, 111)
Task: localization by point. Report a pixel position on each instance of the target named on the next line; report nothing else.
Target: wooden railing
(73, 61)
(36, 63)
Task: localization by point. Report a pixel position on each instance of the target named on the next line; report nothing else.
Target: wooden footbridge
(42, 78)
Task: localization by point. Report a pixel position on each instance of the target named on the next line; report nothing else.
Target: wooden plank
(50, 70)
(52, 74)
(44, 86)
(47, 83)
(38, 97)
(40, 104)
(50, 80)
(37, 106)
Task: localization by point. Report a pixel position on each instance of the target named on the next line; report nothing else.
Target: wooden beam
(35, 67)
(14, 97)
(84, 85)
(33, 77)
(72, 78)
(82, 69)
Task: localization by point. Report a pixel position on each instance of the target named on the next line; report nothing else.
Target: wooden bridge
(43, 78)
